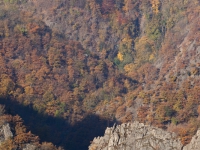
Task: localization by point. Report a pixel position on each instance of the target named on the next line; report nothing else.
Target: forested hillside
(121, 60)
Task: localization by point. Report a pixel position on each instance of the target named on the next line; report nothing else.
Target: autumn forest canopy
(121, 60)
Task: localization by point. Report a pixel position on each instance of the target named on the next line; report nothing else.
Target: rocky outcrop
(5, 132)
(195, 142)
(137, 136)
(30, 147)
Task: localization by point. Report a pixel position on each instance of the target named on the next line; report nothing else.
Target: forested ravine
(75, 63)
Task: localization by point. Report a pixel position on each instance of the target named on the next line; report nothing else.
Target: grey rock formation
(5, 132)
(195, 142)
(30, 147)
(136, 136)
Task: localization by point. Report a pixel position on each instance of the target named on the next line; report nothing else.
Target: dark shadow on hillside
(57, 130)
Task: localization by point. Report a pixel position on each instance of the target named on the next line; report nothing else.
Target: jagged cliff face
(137, 136)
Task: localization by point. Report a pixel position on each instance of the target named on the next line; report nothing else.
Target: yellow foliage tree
(120, 56)
(145, 50)
(128, 42)
(151, 57)
(129, 67)
(6, 85)
(125, 8)
(155, 5)
(28, 90)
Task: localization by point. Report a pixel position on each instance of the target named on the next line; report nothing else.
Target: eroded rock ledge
(137, 136)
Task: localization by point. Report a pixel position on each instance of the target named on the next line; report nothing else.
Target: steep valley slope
(115, 60)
